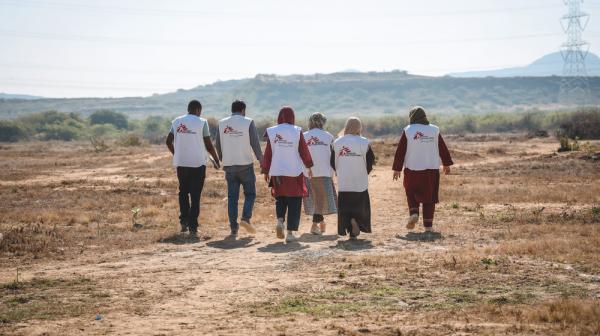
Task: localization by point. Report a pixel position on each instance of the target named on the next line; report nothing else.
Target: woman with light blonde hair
(353, 160)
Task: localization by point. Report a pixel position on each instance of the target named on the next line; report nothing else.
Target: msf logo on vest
(280, 141)
(345, 151)
(183, 129)
(419, 136)
(231, 131)
(315, 141)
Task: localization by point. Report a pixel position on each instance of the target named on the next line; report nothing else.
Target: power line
(203, 44)
(194, 13)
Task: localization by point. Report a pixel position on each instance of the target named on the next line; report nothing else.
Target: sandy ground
(212, 286)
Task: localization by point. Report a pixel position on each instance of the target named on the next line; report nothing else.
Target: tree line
(583, 123)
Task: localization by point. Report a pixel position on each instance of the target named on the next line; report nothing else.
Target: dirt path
(193, 287)
(188, 288)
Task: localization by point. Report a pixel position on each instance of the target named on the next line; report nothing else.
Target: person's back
(319, 144)
(188, 141)
(422, 150)
(285, 139)
(237, 144)
(234, 134)
(351, 162)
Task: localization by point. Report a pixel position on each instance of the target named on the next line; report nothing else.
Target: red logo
(344, 151)
(278, 138)
(182, 128)
(418, 136)
(228, 129)
(313, 141)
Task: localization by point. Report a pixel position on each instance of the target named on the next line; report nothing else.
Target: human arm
(332, 158)
(209, 145)
(169, 142)
(254, 142)
(444, 155)
(399, 157)
(305, 154)
(265, 164)
(218, 143)
(370, 160)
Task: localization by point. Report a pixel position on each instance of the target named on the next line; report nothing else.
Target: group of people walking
(300, 167)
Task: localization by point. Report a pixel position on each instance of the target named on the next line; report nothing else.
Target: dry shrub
(570, 315)
(496, 150)
(35, 239)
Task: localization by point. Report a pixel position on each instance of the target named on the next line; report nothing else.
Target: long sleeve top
(402, 147)
(286, 185)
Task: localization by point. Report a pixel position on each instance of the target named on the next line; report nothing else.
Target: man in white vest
(189, 142)
(237, 145)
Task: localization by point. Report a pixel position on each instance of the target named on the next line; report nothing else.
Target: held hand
(266, 177)
(397, 175)
(310, 173)
(446, 170)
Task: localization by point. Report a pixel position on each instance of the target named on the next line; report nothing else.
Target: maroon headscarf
(286, 116)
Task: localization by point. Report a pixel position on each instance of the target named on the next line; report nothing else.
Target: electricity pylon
(574, 88)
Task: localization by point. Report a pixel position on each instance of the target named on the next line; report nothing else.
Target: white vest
(285, 141)
(189, 141)
(319, 144)
(351, 163)
(234, 134)
(422, 150)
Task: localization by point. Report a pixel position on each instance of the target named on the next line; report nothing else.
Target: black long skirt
(355, 205)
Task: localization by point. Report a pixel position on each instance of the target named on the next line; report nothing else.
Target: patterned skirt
(322, 198)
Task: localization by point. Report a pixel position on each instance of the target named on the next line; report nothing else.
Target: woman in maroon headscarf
(283, 165)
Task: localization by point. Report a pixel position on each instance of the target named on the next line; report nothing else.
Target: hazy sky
(68, 48)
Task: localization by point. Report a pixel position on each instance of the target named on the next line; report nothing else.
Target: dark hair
(238, 106)
(193, 106)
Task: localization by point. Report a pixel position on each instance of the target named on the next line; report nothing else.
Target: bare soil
(516, 250)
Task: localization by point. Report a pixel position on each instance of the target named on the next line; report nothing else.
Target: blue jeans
(247, 179)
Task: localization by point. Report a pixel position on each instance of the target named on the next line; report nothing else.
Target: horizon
(126, 49)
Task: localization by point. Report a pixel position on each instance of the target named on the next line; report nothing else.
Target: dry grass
(518, 254)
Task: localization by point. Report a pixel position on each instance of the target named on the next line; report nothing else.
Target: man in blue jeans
(237, 144)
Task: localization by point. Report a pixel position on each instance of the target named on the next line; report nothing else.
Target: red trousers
(413, 208)
(422, 188)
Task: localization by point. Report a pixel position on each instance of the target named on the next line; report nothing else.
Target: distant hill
(341, 94)
(549, 65)
(17, 96)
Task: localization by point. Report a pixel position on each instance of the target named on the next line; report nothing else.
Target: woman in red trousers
(420, 152)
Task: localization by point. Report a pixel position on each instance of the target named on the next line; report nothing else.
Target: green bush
(584, 124)
(119, 120)
(61, 132)
(103, 131)
(12, 131)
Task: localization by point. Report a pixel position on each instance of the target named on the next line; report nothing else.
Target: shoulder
(179, 118)
(435, 127)
(364, 140)
(226, 119)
